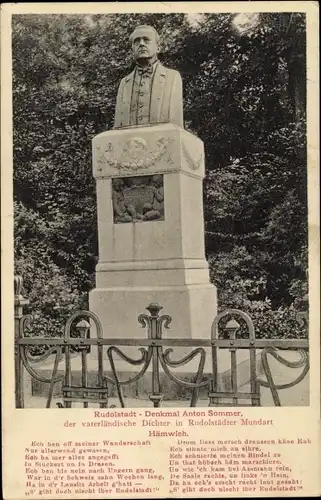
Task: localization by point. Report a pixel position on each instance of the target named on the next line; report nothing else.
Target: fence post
(155, 333)
(19, 303)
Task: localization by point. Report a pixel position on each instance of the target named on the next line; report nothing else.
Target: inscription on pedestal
(138, 199)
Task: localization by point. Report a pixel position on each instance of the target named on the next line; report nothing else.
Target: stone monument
(149, 174)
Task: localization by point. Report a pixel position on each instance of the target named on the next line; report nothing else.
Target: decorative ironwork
(303, 361)
(61, 351)
(233, 344)
(85, 393)
(152, 354)
(302, 320)
(155, 355)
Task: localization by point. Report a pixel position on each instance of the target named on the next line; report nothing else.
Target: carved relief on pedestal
(138, 199)
(191, 162)
(134, 155)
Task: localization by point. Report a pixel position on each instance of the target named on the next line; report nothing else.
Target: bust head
(145, 43)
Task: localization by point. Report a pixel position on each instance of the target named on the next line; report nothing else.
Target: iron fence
(223, 336)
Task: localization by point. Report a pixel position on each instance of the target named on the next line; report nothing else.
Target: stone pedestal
(154, 250)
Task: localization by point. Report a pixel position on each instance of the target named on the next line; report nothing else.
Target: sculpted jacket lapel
(158, 86)
(127, 95)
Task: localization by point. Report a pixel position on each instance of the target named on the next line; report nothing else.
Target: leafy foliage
(243, 95)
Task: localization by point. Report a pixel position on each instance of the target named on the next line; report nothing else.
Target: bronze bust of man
(151, 93)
